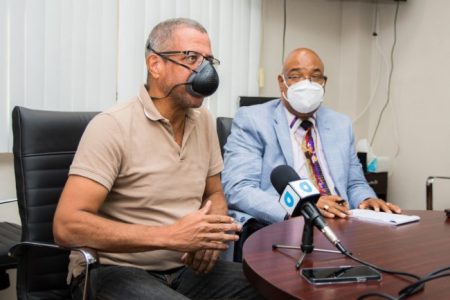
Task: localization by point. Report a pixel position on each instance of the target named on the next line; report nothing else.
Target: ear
(281, 84)
(154, 65)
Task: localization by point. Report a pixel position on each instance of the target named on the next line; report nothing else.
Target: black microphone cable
(349, 255)
(418, 285)
(379, 294)
(376, 294)
(408, 291)
(411, 289)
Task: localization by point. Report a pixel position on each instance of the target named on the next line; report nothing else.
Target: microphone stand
(307, 245)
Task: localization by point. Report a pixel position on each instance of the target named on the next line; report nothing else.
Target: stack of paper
(382, 217)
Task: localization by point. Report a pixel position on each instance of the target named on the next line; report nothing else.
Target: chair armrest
(3, 201)
(429, 190)
(89, 258)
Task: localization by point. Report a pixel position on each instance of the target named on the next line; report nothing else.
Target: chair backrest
(44, 146)
(223, 126)
(250, 100)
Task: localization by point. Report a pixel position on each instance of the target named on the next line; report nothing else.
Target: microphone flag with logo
(292, 189)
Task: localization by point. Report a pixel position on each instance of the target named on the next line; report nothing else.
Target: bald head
(303, 59)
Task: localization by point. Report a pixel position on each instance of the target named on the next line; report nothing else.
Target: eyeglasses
(190, 59)
(320, 79)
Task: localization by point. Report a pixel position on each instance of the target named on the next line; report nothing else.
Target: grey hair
(161, 36)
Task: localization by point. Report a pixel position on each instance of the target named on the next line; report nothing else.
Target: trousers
(225, 281)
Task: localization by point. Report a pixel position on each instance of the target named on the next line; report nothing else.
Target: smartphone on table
(342, 274)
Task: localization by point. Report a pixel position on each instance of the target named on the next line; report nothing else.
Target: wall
(341, 33)
(420, 97)
(8, 211)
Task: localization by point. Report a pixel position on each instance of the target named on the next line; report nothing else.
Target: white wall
(8, 211)
(341, 33)
(421, 98)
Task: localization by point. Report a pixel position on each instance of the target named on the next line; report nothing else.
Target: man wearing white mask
(296, 130)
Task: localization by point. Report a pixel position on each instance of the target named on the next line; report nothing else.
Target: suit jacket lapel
(283, 133)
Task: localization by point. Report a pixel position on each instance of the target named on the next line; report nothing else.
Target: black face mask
(203, 81)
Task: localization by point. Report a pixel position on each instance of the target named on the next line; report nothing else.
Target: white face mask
(304, 96)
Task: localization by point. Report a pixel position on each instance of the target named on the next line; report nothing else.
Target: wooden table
(418, 248)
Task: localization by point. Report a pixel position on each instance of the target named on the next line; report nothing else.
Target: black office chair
(9, 236)
(223, 124)
(44, 146)
(250, 100)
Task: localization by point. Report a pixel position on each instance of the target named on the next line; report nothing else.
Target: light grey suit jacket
(260, 141)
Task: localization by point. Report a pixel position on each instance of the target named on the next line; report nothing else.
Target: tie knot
(306, 124)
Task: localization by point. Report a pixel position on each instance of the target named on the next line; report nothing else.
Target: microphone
(299, 197)
(293, 189)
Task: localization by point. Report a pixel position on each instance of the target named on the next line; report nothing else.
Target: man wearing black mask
(144, 188)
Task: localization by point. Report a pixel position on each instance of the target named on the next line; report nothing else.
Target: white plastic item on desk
(382, 217)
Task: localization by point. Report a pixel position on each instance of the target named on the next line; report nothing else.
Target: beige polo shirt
(130, 149)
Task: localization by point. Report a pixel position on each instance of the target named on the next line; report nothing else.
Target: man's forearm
(219, 205)
(86, 229)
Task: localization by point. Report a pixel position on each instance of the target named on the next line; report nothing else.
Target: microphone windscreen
(281, 176)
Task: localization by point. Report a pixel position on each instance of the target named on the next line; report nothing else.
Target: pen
(342, 201)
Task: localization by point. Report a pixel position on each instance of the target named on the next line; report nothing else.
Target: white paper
(382, 217)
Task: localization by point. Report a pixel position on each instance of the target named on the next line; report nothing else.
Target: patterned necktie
(312, 161)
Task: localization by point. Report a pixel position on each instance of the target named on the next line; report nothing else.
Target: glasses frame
(214, 61)
(166, 54)
(322, 77)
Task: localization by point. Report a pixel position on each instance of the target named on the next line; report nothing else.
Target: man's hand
(201, 261)
(199, 230)
(333, 206)
(378, 204)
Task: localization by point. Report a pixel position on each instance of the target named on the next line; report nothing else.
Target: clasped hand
(202, 237)
(199, 230)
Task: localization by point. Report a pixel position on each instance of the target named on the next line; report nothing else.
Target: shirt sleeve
(99, 153)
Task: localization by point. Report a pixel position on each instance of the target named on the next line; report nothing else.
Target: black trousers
(248, 229)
